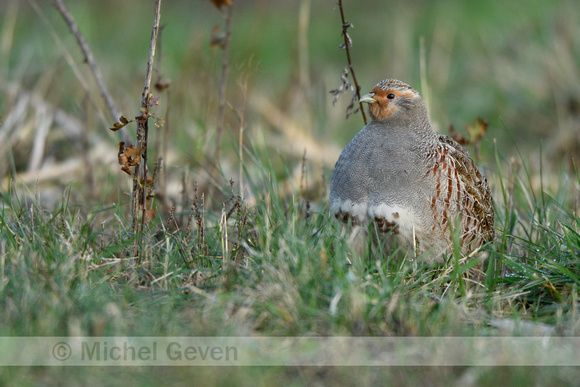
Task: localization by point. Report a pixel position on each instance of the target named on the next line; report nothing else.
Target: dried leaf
(123, 160)
(134, 161)
(220, 3)
(162, 85)
(121, 157)
(149, 181)
(345, 88)
(119, 125)
(345, 28)
(128, 157)
(346, 85)
(116, 126)
(131, 151)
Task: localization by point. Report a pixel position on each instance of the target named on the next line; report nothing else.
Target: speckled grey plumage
(403, 171)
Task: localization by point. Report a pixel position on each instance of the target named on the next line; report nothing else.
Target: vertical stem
(345, 27)
(139, 196)
(152, 45)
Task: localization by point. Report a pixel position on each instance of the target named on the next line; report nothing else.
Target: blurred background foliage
(515, 64)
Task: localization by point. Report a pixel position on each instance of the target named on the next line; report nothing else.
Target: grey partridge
(415, 184)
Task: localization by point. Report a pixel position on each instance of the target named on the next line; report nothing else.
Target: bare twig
(152, 45)
(347, 43)
(223, 80)
(69, 20)
(139, 195)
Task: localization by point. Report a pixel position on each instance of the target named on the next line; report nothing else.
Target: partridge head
(415, 184)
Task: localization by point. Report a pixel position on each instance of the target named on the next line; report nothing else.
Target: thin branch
(69, 20)
(347, 43)
(223, 80)
(143, 129)
(152, 45)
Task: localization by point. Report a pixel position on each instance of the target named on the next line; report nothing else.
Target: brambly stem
(347, 43)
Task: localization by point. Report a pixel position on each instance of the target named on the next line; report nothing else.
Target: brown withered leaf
(149, 181)
(128, 157)
(121, 151)
(131, 151)
(133, 156)
(127, 170)
(118, 125)
(220, 3)
(477, 130)
(162, 85)
(123, 160)
(134, 161)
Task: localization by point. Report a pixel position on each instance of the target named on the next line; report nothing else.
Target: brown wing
(460, 187)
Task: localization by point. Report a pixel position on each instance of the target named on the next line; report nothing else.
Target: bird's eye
(390, 96)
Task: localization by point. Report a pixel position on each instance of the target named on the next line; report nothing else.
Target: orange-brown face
(384, 103)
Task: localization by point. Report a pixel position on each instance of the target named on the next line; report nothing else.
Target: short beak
(368, 98)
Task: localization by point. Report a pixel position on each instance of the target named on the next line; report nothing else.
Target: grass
(282, 273)
(267, 260)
